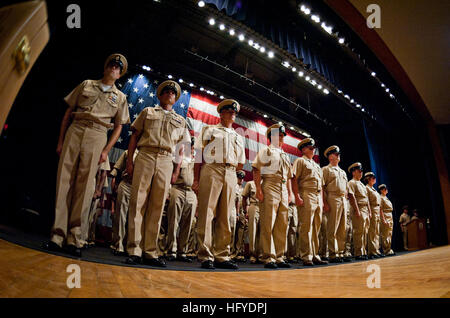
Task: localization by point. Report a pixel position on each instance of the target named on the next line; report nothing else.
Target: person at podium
(404, 220)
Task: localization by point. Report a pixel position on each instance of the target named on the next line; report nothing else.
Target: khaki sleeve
(247, 190)
(72, 98)
(351, 187)
(123, 114)
(325, 175)
(199, 144)
(241, 151)
(120, 164)
(290, 173)
(297, 168)
(186, 136)
(257, 164)
(138, 123)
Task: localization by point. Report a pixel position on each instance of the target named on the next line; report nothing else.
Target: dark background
(157, 34)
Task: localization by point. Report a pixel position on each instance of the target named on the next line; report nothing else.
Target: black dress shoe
(73, 250)
(184, 259)
(366, 257)
(133, 260)
(347, 259)
(226, 265)
(371, 256)
(319, 262)
(336, 260)
(381, 255)
(308, 263)
(119, 253)
(283, 265)
(271, 265)
(360, 258)
(208, 265)
(157, 262)
(325, 259)
(52, 246)
(170, 258)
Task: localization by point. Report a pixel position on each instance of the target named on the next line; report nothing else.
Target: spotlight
(265, 116)
(300, 74)
(307, 11)
(373, 74)
(319, 87)
(170, 76)
(382, 85)
(326, 91)
(222, 27)
(262, 49)
(221, 97)
(201, 4)
(286, 64)
(250, 42)
(212, 21)
(339, 91)
(191, 85)
(280, 123)
(180, 80)
(292, 128)
(270, 54)
(352, 101)
(202, 89)
(241, 37)
(315, 18)
(256, 46)
(341, 41)
(232, 32)
(387, 90)
(294, 69)
(307, 78)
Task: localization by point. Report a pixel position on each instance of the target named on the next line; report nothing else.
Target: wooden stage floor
(29, 273)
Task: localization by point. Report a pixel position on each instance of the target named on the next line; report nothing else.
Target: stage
(32, 273)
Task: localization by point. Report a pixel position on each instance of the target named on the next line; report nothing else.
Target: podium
(417, 234)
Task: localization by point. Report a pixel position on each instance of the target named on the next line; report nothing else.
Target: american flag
(199, 109)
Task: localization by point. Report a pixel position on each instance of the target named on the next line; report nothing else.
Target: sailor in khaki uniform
(241, 220)
(273, 166)
(309, 182)
(159, 133)
(94, 107)
(404, 220)
(335, 186)
(361, 214)
(181, 210)
(386, 227)
(251, 205)
(222, 150)
(377, 216)
(122, 195)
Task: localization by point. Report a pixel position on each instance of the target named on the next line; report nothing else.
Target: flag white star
(156, 105)
(135, 90)
(140, 101)
(182, 105)
(130, 80)
(151, 94)
(141, 76)
(145, 85)
(185, 92)
(135, 116)
(130, 133)
(130, 105)
(119, 140)
(155, 81)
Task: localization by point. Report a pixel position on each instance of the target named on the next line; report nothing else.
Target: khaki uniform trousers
(292, 231)
(310, 217)
(75, 184)
(254, 231)
(374, 232)
(180, 215)
(120, 216)
(273, 220)
(93, 216)
(233, 223)
(150, 186)
(192, 244)
(216, 195)
(336, 225)
(405, 237)
(360, 230)
(348, 231)
(241, 234)
(323, 241)
(386, 233)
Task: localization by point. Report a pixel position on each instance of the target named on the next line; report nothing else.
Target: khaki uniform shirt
(404, 219)
(89, 102)
(334, 180)
(272, 161)
(120, 167)
(309, 174)
(250, 192)
(374, 197)
(386, 204)
(221, 145)
(160, 130)
(186, 176)
(359, 190)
